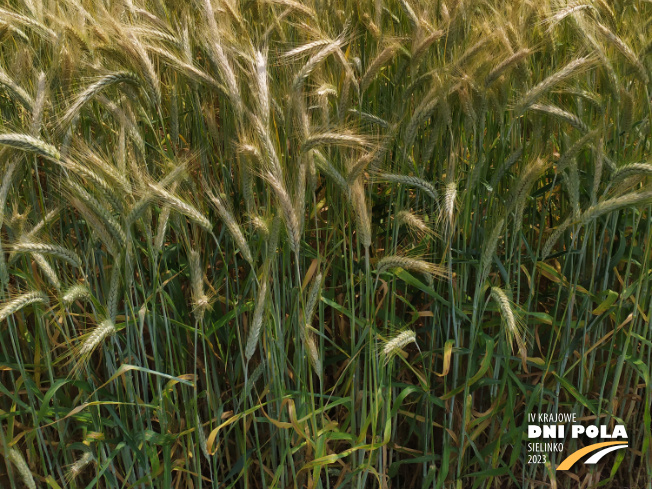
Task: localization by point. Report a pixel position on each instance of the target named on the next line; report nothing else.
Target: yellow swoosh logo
(574, 457)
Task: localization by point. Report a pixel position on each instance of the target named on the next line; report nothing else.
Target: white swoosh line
(601, 453)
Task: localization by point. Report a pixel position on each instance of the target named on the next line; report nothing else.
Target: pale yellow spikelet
(490, 247)
(411, 264)
(411, 181)
(182, 207)
(313, 62)
(21, 467)
(561, 114)
(449, 204)
(500, 68)
(76, 468)
(514, 329)
(414, 223)
(47, 270)
(232, 225)
(615, 203)
(75, 293)
(257, 322)
(395, 345)
(292, 223)
(313, 353)
(374, 67)
(362, 220)
(625, 50)
(572, 68)
(14, 305)
(95, 338)
(200, 300)
(262, 85)
(91, 91)
(31, 144)
(56, 251)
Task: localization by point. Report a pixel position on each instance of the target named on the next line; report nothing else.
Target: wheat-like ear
(272, 161)
(180, 206)
(96, 225)
(575, 149)
(466, 102)
(56, 251)
(448, 206)
(313, 62)
(299, 51)
(161, 227)
(260, 61)
(91, 341)
(383, 57)
(605, 62)
(331, 172)
(14, 305)
(362, 219)
(551, 81)
(313, 353)
(47, 270)
(489, 249)
(344, 139)
(571, 179)
(514, 329)
(421, 113)
(76, 468)
(199, 298)
(392, 347)
(500, 68)
(561, 114)
(7, 181)
(232, 225)
(306, 332)
(216, 51)
(153, 33)
(36, 26)
(313, 297)
(420, 48)
(16, 91)
(632, 169)
(90, 92)
(91, 158)
(521, 189)
(15, 457)
(141, 204)
(554, 237)
(411, 264)
(415, 223)
(50, 217)
(76, 293)
(147, 68)
(626, 51)
(615, 203)
(409, 12)
(39, 102)
(186, 69)
(296, 6)
(30, 144)
(504, 167)
(410, 181)
(4, 272)
(291, 220)
(257, 322)
(565, 12)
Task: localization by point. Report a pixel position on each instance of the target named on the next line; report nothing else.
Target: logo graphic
(601, 448)
(552, 426)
